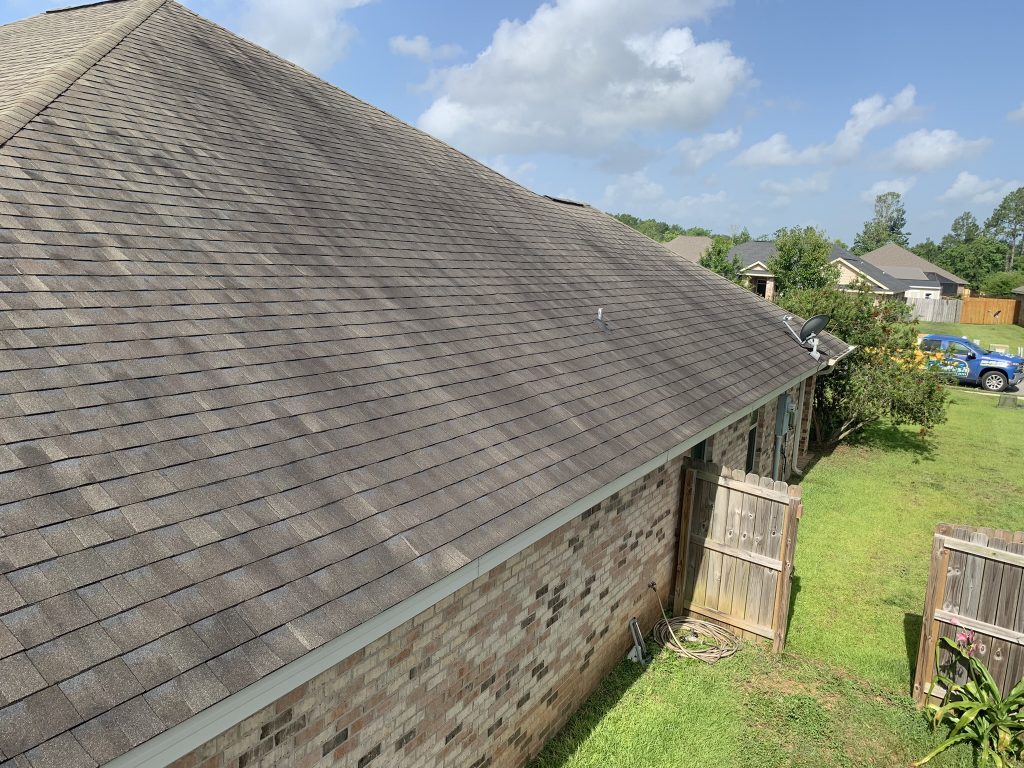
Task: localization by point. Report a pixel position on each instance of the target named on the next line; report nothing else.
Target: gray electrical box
(785, 415)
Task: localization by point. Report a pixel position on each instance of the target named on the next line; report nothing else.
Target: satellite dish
(808, 332)
(813, 327)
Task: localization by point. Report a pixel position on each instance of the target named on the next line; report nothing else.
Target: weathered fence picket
(974, 584)
(936, 310)
(737, 541)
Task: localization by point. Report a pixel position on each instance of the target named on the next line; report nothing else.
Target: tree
(966, 250)
(717, 259)
(802, 259)
(1007, 224)
(1001, 284)
(973, 261)
(881, 378)
(659, 230)
(929, 250)
(888, 225)
(965, 228)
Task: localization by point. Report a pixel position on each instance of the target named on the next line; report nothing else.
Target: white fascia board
(757, 265)
(191, 734)
(863, 274)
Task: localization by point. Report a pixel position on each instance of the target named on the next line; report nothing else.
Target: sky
(752, 113)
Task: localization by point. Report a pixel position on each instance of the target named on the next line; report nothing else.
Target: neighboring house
(314, 450)
(854, 273)
(755, 256)
(899, 261)
(690, 247)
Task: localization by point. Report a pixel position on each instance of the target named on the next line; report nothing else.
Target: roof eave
(178, 741)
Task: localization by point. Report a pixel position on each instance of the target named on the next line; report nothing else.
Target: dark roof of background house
(892, 255)
(690, 247)
(753, 251)
(275, 361)
(1019, 290)
(889, 281)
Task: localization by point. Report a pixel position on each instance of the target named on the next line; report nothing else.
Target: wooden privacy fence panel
(737, 540)
(979, 311)
(975, 583)
(936, 310)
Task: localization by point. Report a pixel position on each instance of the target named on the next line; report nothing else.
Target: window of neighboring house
(761, 286)
(752, 442)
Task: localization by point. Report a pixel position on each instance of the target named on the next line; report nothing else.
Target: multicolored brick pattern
(487, 675)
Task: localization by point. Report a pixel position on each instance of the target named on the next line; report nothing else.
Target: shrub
(978, 713)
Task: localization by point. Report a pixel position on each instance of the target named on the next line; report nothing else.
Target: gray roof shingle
(275, 360)
(892, 255)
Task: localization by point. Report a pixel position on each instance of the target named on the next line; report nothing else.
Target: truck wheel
(994, 381)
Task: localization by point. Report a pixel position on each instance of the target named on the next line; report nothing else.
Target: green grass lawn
(840, 694)
(1010, 335)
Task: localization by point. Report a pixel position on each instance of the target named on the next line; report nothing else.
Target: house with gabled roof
(754, 256)
(906, 264)
(854, 273)
(324, 444)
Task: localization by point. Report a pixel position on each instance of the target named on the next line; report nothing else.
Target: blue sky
(756, 113)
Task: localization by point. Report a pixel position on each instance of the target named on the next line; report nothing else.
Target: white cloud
(637, 192)
(519, 172)
(865, 116)
(581, 75)
(697, 152)
(632, 188)
(900, 185)
(973, 189)
(311, 33)
(777, 151)
(871, 113)
(926, 150)
(420, 48)
(1017, 115)
(819, 182)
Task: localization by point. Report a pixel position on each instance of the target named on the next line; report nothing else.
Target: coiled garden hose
(693, 638)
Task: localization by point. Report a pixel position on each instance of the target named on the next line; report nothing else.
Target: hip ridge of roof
(62, 77)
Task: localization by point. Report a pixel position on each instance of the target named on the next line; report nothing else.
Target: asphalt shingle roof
(690, 247)
(275, 361)
(892, 255)
(753, 251)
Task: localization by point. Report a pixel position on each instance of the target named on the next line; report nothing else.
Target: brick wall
(487, 675)
(729, 446)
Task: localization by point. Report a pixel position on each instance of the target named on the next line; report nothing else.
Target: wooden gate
(980, 311)
(975, 584)
(737, 540)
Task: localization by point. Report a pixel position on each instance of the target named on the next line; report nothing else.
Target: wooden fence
(736, 545)
(936, 310)
(979, 311)
(974, 585)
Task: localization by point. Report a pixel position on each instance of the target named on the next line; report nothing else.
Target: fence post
(930, 627)
(780, 618)
(685, 514)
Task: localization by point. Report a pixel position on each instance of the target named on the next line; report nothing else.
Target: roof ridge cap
(64, 75)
